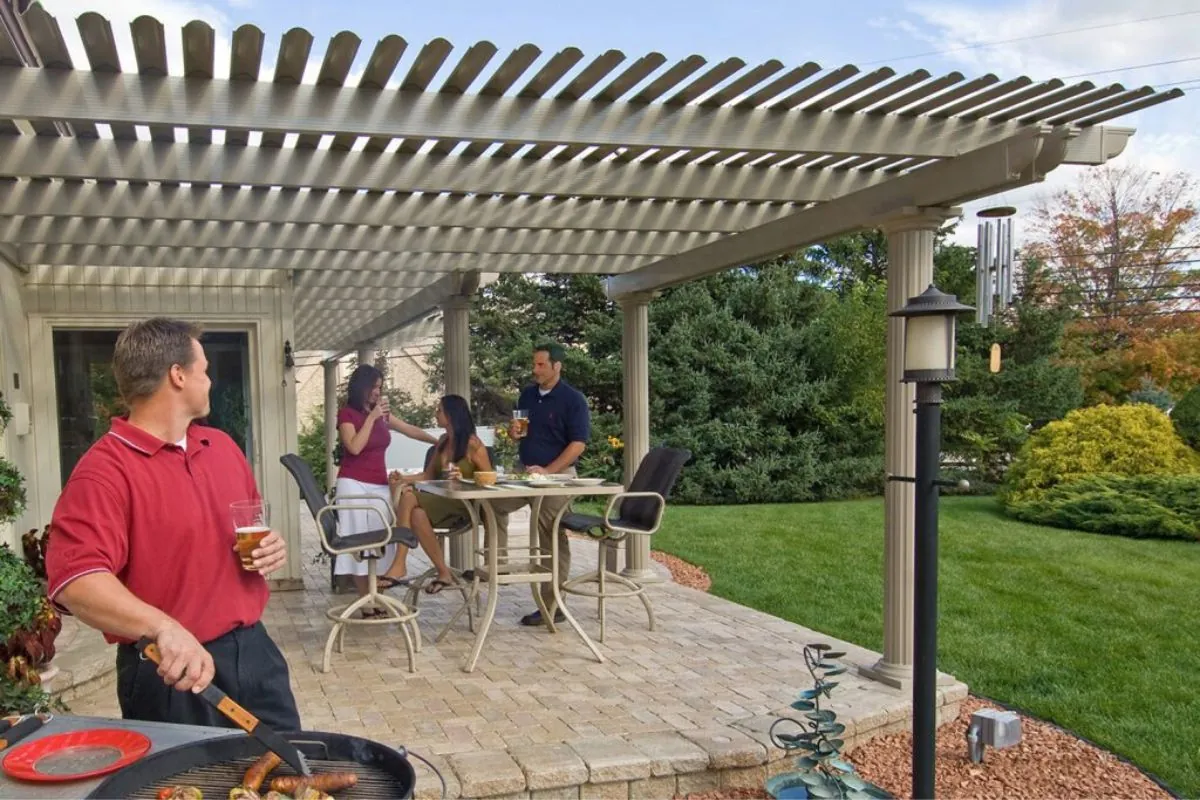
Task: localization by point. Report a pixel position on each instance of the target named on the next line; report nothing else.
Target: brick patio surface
(681, 709)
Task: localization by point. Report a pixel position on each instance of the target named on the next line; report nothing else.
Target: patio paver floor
(683, 708)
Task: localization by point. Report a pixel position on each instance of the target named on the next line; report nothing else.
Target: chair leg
(601, 595)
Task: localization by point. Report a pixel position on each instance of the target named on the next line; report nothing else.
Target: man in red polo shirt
(142, 544)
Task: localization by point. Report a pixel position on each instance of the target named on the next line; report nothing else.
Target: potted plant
(28, 622)
(820, 771)
(12, 491)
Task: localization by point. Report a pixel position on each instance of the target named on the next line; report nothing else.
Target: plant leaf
(837, 744)
(825, 791)
(813, 779)
(820, 648)
(806, 762)
(809, 694)
(831, 728)
(821, 716)
(831, 655)
(804, 705)
(844, 766)
(854, 783)
(835, 671)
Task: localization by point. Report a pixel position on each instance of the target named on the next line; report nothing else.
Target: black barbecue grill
(217, 765)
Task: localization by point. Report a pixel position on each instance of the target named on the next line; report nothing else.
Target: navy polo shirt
(556, 419)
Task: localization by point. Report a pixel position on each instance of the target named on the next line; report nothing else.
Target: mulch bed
(1048, 763)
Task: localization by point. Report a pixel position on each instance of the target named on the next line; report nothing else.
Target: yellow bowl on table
(485, 478)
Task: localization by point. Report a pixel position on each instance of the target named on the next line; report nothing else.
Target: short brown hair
(147, 350)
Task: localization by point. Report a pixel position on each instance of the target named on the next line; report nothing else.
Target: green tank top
(466, 466)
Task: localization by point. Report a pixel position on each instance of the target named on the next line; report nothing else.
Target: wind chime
(994, 276)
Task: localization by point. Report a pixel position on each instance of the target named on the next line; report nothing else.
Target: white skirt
(352, 521)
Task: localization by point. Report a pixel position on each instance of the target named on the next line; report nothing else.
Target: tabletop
(162, 737)
(465, 490)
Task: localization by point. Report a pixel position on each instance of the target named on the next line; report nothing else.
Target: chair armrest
(662, 504)
(335, 507)
(373, 497)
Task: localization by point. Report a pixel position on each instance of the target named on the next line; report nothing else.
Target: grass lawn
(1099, 634)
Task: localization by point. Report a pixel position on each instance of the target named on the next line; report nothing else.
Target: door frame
(44, 385)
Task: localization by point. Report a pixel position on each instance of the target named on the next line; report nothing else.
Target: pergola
(384, 198)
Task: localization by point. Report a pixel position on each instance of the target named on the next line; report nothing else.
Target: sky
(1041, 40)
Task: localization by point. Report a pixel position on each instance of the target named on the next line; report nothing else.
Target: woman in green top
(458, 453)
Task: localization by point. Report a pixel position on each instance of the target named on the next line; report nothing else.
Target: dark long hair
(458, 414)
(362, 381)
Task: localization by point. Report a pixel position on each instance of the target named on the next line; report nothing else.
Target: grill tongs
(242, 718)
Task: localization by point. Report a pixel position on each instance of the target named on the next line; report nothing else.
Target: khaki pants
(549, 510)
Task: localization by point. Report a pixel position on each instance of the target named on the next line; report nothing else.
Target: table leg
(558, 601)
(489, 524)
(535, 547)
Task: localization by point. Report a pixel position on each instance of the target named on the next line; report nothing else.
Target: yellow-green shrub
(1133, 439)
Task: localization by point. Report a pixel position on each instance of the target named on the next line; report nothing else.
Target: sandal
(372, 613)
(386, 582)
(437, 584)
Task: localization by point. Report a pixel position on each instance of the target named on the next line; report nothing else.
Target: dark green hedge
(1140, 507)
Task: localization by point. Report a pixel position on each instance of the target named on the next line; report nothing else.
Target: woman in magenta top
(364, 429)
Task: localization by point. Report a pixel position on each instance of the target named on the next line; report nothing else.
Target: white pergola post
(456, 336)
(635, 360)
(910, 238)
(331, 411)
(366, 355)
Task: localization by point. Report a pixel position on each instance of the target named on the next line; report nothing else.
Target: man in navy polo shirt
(142, 544)
(559, 429)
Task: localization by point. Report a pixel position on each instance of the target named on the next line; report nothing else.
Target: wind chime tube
(988, 263)
(1010, 283)
(981, 316)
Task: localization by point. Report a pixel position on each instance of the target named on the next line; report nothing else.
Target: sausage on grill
(259, 770)
(329, 782)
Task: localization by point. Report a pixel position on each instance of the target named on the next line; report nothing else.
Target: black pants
(250, 669)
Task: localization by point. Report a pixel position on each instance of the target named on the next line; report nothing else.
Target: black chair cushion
(585, 523)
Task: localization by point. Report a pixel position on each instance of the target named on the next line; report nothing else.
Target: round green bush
(1140, 507)
(1186, 417)
(1133, 439)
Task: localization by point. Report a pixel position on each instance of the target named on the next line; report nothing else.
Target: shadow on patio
(682, 709)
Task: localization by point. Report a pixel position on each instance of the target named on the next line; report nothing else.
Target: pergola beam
(410, 310)
(171, 101)
(235, 204)
(266, 236)
(112, 160)
(1025, 158)
(367, 282)
(234, 258)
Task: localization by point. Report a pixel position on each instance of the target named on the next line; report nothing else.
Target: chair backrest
(310, 490)
(657, 473)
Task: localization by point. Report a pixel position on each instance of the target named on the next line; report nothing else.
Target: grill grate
(215, 780)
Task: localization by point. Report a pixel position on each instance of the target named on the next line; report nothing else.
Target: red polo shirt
(157, 516)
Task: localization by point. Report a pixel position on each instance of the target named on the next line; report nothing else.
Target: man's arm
(101, 601)
(565, 459)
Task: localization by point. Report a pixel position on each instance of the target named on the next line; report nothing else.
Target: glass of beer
(251, 524)
(520, 423)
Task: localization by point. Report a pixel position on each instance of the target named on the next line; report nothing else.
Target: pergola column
(910, 238)
(456, 338)
(635, 360)
(330, 369)
(366, 355)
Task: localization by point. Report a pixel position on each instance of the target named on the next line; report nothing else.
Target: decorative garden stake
(820, 771)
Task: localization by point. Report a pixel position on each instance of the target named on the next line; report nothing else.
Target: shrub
(312, 443)
(1152, 394)
(1186, 417)
(1141, 507)
(12, 491)
(1113, 440)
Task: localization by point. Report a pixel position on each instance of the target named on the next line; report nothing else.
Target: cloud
(1166, 139)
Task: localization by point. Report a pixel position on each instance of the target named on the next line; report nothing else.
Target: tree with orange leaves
(1121, 248)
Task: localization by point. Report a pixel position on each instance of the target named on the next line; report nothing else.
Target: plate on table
(75, 755)
(586, 482)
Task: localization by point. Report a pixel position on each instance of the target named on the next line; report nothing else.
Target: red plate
(75, 755)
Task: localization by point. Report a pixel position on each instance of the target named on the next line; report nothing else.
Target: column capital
(638, 298)
(919, 218)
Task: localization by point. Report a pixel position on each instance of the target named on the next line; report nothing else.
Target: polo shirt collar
(147, 443)
(561, 384)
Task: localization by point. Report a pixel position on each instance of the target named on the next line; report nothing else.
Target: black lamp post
(929, 328)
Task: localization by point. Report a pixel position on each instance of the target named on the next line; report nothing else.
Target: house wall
(67, 297)
(14, 382)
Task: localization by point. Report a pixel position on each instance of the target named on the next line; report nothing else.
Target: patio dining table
(504, 568)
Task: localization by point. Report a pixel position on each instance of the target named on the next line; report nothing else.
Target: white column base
(898, 676)
(643, 575)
